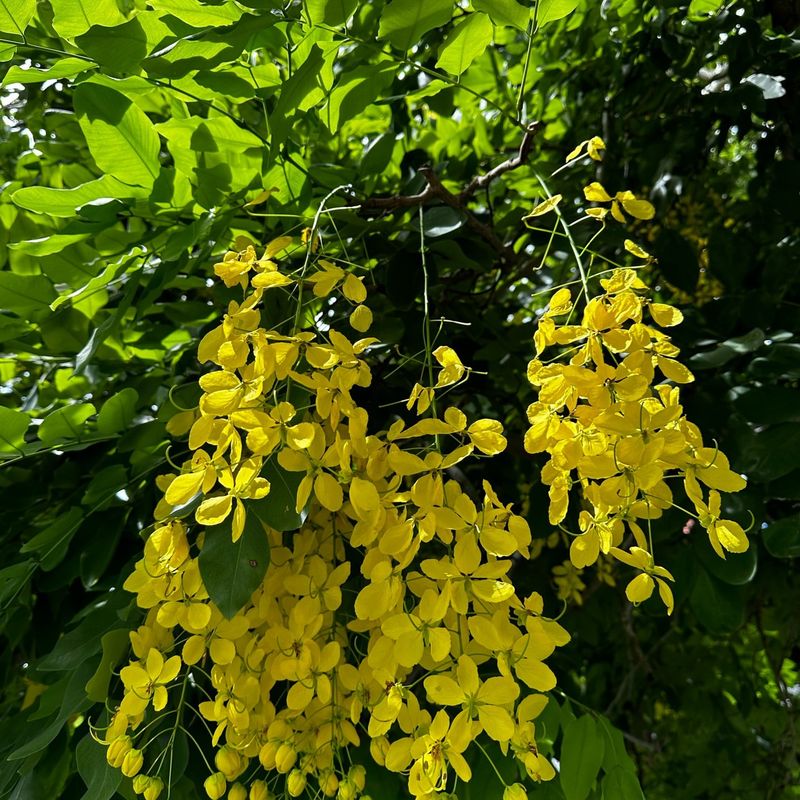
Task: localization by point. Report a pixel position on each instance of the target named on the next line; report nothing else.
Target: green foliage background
(135, 135)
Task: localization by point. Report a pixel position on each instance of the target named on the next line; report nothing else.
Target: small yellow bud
(347, 790)
(132, 763)
(358, 775)
(328, 783)
(215, 785)
(153, 791)
(140, 783)
(237, 792)
(285, 758)
(117, 751)
(267, 756)
(296, 782)
(259, 791)
(515, 792)
(228, 762)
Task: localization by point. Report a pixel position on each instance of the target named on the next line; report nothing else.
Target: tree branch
(435, 190)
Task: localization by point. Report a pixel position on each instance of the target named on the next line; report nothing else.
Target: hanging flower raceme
(609, 417)
(434, 651)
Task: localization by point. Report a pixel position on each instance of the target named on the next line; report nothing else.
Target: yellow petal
(665, 315)
(214, 510)
(544, 207)
(595, 193)
(328, 491)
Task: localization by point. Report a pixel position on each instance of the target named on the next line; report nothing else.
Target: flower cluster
(388, 617)
(616, 431)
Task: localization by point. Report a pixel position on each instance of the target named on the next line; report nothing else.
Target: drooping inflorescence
(384, 623)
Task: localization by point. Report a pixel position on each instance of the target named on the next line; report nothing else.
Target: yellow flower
(143, 683)
(434, 751)
(488, 700)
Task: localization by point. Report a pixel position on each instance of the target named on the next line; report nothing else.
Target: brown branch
(435, 190)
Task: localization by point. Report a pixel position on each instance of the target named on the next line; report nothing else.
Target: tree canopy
(411, 168)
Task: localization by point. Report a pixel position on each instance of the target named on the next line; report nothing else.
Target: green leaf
(63, 68)
(302, 82)
(465, 43)
(121, 138)
(441, 220)
(331, 12)
(53, 541)
(552, 10)
(110, 273)
(100, 333)
(117, 411)
(782, 538)
(25, 294)
(735, 569)
(104, 484)
(13, 578)
(404, 21)
(64, 202)
(718, 606)
(232, 571)
(115, 645)
(13, 425)
(73, 17)
(65, 423)
(277, 509)
(620, 784)
(504, 12)
(74, 700)
(122, 49)
(15, 15)
(84, 640)
(100, 777)
(47, 245)
(200, 15)
(355, 91)
(614, 752)
(581, 756)
(728, 350)
(766, 405)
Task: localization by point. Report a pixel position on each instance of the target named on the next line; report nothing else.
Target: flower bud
(358, 775)
(259, 791)
(296, 782)
(328, 783)
(215, 785)
(515, 792)
(117, 750)
(153, 791)
(228, 762)
(132, 763)
(377, 749)
(140, 783)
(347, 790)
(285, 758)
(237, 792)
(267, 756)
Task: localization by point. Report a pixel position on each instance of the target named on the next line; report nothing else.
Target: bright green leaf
(552, 10)
(504, 12)
(63, 68)
(65, 423)
(73, 17)
(403, 22)
(581, 756)
(465, 43)
(25, 294)
(117, 412)
(64, 202)
(13, 425)
(15, 15)
(620, 784)
(200, 15)
(121, 138)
